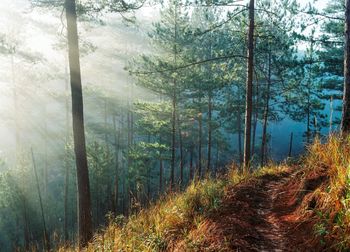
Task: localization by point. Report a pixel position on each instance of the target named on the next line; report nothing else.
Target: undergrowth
(175, 218)
(169, 221)
(331, 161)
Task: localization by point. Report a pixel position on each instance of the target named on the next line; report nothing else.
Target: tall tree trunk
(249, 88)
(200, 143)
(66, 191)
(290, 145)
(26, 230)
(330, 115)
(116, 179)
(345, 122)
(239, 134)
(97, 186)
(106, 122)
(124, 168)
(256, 115)
(191, 163)
(131, 125)
(46, 236)
(126, 182)
(46, 167)
(174, 98)
(66, 162)
(173, 140)
(83, 184)
(210, 109)
(181, 150)
(149, 163)
(160, 173)
(266, 114)
(17, 116)
(217, 156)
(308, 130)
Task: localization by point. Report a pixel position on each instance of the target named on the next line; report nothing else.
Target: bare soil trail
(262, 214)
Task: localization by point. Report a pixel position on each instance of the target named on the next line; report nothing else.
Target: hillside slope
(299, 207)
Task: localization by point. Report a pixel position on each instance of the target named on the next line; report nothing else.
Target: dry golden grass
(331, 161)
(174, 222)
(168, 222)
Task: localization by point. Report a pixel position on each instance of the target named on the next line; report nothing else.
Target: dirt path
(258, 215)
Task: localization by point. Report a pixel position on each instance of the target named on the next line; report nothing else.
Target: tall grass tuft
(331, 161)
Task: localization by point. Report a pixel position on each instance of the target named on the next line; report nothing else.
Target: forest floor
(299, 205)
(262, 214)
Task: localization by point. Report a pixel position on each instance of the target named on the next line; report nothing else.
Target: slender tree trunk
(127, 182)
(249, 88)
(116, 179)
(217, 156)
(256, 115)
(200, 143)
(97, 186)
(174, 100)
(239, 134)
(345, 122)
(66, 162)
(83, 184)
(290, 145)
(15, 98)
(308, 117)
(331, 116)
(66, 186)
(46, 176)
(106, 123)
(160, 174)
(173, 139)
(181, 150)
(210, 109)
(191, 163)
(266, 114)
(148, 199)
(26, 230)
(125, 165)
(132, 126)
(308, 129)
(46, 236)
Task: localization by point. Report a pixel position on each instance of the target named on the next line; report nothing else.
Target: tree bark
(26, 230)
(290, 145)
(330, 116)
(191, 163)
(239, 134)
(249, 88)
(83, 184)
(116, 179)
(217, 156)
(160, 175)
(308, 136)
(256, 115)
(266, 114)
(200, 143)
(174, 98)
(181, 150)
(16, 105)
(210, 109)
(173, 138)
(46, 236)
(66, 186)
(66, 162)
(345, 122)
